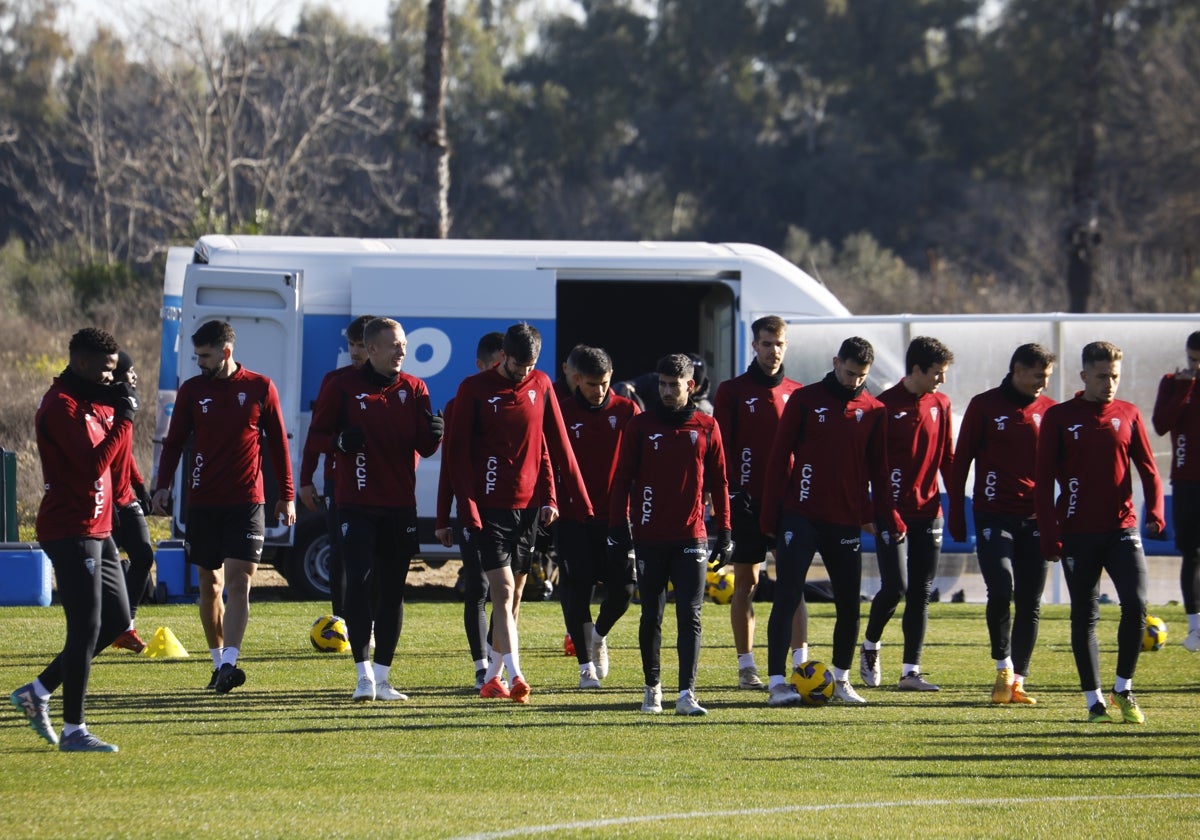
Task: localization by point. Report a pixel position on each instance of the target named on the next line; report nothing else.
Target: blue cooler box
(176, 581)
(25, 575)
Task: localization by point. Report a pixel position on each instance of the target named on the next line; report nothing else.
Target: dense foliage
(917, 155)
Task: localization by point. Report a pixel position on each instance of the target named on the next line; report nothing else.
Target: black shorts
(750, 545)
(233, 532)
(506, 539)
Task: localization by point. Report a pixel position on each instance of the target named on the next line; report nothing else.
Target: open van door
(263, 307)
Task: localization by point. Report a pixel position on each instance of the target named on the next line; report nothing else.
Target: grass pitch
(288, 754)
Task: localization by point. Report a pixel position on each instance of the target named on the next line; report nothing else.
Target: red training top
(748, 412)
(227, 418)
(595, 435)
(316, 445)
(920, 443)
(1177, 410)
(1087, 448)
(77, 440)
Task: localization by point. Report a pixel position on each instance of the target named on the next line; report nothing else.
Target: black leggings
(1120, 554)
(133, 537)
(798, 540)
(1014, 571)
(378, 546)
(1185, 517)
(91, 587)
(475, 593)
(583, 560)
(906, 570)
(685, 565)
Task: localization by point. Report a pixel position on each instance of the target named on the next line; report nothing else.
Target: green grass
(288, 755)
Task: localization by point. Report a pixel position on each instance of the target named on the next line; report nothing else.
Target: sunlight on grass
(288, 754)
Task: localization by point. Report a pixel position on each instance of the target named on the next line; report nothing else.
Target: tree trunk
(1083, 235)
(433, 202)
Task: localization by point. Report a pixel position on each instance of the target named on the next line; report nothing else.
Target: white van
(290, 298)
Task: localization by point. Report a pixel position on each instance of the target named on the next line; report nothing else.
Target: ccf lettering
(806, 474)
(647, 504)
(489, 476)
(197, 466)
(100, 497)
(360, 470)
(744, 478)
(1073, 496)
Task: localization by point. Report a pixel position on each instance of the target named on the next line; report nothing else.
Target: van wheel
(308, 560)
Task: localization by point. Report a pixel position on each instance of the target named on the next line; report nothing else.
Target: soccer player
(226, 411)
(130, 532)
(506, 425)
(999, 434)
(747, 408)
(381, 422)
(78, 434)
(1087, 445)
(595, 418)
(489, 352)
(314, 447)
(829, 449)
(1177, 411)
(919, 446)
(670, 456)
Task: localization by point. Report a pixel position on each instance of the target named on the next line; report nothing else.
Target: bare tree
(433, 204)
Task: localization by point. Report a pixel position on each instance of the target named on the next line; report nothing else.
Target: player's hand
(619, 537)
(143, 498)
(160, 502)
(125, 400)
(869, 528)
(445, 536)
(1154, 531)
(437, 424)
(285, 512)
(352, 439)
(310, 498)
(722, 551)
(547, 515)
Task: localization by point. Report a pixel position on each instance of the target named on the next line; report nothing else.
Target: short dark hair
(488, 346)
(573, 357)
(214, 334)
(523, 342)
(857, 349)
(1101, 351)
(678, 365)
(1193, 341)
(592, 361)
(93, 341)
(772, 324)
(1031, 356)
(356, 330)
(924, 352)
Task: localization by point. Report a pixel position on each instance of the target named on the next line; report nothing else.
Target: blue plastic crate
(26, 576)
(177, 581)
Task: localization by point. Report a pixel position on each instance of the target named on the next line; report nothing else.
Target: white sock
(1123, 684)
(381, 672)
(1006, 662)
(481, 664)
(586, 668)
(775, 680)
(1193, 622)
(799, 656)
(687, 692)
(493, 668)
(72, 728)
(869, 645)
(229, 655)
(596, 637)
(839, 674)
(909, 668)
(1093, 697)
(1018, 680)
(215, 653)
(746, 660)
(364, 670)
(512, 662)
(40, 690)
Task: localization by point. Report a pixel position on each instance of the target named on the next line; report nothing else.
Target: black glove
(722, 551)
(125, 401)
(437, 424)
(352, 439)
(143, 498)
(619, 538)
(543, 540)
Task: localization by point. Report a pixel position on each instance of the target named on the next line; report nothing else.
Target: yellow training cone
(164, 644)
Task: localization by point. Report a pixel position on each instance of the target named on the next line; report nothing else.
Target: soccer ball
(1156, 633)
(328, 634)
(814, 682)
(720, 587)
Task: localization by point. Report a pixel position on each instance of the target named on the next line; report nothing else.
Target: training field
(288, 754)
